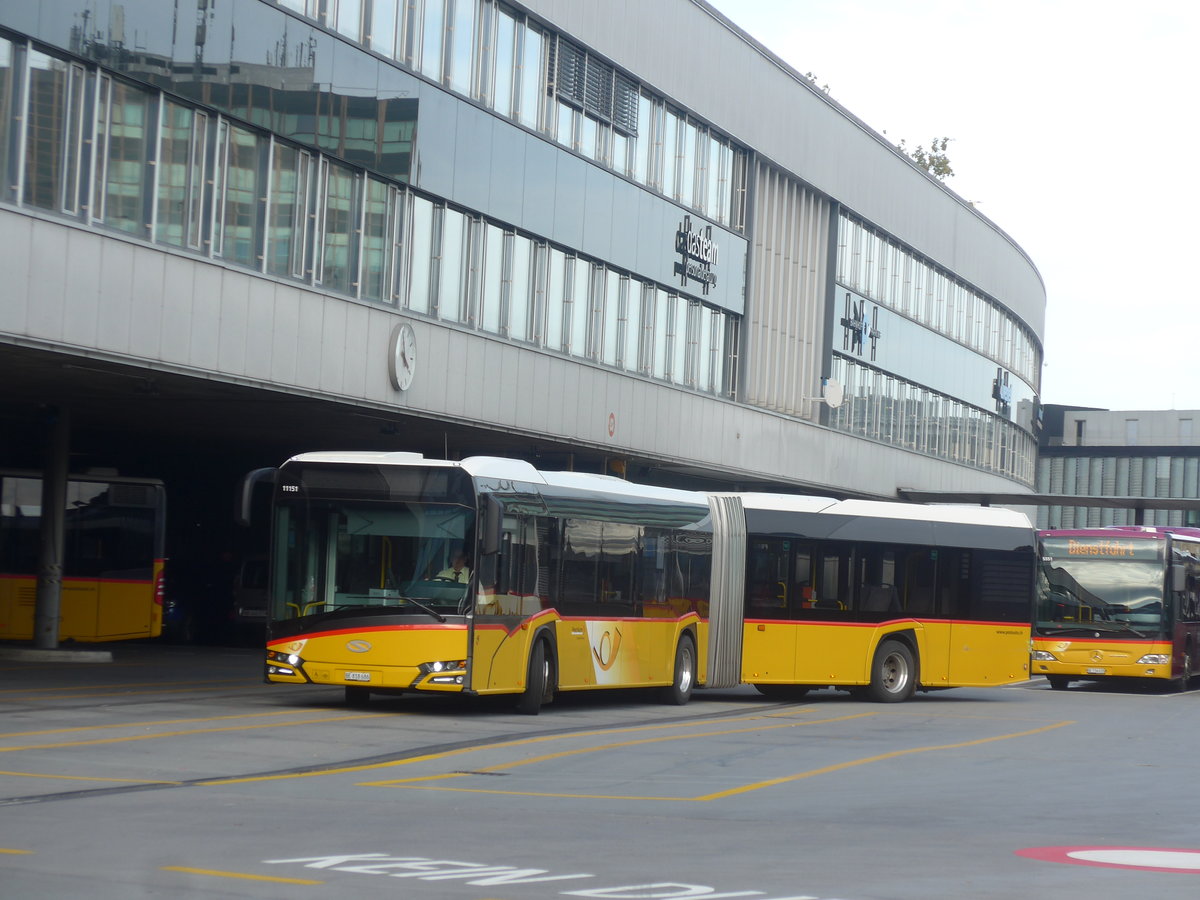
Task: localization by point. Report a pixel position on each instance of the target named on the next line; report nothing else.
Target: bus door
(508, 593)
(769, 635)
(829, 644)
(924, 593)
(989, 596)
(1186, 607)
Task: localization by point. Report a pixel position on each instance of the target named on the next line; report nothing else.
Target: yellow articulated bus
(394, 573)
(112, 557)
(1118, 603)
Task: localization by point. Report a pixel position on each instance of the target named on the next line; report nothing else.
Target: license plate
(358, 676)
(1096, 671)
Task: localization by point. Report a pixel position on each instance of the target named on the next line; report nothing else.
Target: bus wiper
(1127, 627)
(1108, 626)
(1065, 629)
(415, 602)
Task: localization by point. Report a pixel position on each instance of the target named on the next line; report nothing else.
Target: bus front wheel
(1058, 682)
(539, 681)
(684, 677)
(893, 673)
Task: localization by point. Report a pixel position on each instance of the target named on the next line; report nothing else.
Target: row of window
(498, 56)
(903, 414)
(590, 567)
(894, 277)
(111, 153)
(789, 578)
(1117, 476)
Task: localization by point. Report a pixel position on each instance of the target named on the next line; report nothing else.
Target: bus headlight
(274, 656)
(1042, 655)
(443, 665)
(1154, 659)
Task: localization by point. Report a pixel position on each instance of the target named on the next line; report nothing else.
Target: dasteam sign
(697, 255)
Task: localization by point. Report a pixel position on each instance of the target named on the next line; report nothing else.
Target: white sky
(1074, 130)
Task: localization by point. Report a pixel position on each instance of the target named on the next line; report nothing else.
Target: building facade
(1119, 453)
(623, 231)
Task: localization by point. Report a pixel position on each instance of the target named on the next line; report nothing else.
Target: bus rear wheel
(893, 673)
(539, 681)
(684, 677)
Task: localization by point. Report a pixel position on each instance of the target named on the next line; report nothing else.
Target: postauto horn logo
(358, 646)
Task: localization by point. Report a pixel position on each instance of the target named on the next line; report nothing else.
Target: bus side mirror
(1179, 578)
(493, 525)
(242, 514)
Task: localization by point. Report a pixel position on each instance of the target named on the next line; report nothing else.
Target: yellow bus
(394, 573)
(1118, 603)
(112, 586)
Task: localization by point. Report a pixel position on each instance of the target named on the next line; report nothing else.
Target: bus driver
(458, 571)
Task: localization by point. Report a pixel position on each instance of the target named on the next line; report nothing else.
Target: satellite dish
(833, 393)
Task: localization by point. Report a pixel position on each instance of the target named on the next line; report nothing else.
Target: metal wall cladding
(784, 326)
(749, 94)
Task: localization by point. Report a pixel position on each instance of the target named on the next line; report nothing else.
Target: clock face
(404, 356)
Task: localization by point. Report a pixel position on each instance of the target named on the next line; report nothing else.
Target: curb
(22, 654)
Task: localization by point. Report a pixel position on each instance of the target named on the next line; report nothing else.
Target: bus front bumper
(1092, 663)
(438, 675)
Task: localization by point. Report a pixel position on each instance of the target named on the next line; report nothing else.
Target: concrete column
(54, 504)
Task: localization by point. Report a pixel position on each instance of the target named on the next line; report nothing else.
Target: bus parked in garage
(391, 573)
(1118, 602)
(112, 561)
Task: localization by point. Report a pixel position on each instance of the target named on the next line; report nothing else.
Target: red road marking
(1148, 859)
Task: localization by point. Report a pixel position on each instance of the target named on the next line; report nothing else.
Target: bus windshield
(1078, 591)
(336, 555)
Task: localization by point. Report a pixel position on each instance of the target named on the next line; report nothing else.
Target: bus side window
(954, 583)
(834, 593)
(802, 581)
(918, 583)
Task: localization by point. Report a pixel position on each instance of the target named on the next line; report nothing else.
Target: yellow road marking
(244, 876)
(86, 778)
(651, 740)
(167, 734)
(413, 783)
(15, 852)
(519, 742)
(870, 759)
(259, 715)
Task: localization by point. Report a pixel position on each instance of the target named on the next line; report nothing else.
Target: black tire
(357, 697)
(683, 681)
(539, 681)
(1058, 682)
(893, 673)
(1180, 684)
(783, 692)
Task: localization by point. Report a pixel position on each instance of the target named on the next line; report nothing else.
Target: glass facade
(268, 143)
(526, 72)
(927, 363)
(164, 170)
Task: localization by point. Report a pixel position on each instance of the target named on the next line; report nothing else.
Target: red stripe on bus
(77, 580)
(370, 629)
(886, 622)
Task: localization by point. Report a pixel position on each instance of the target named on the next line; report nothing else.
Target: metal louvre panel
(728, 590)
(570, 71)
(597, 89)
(625, 105)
